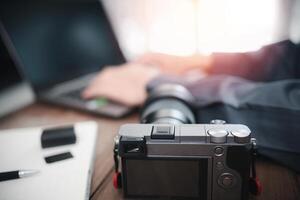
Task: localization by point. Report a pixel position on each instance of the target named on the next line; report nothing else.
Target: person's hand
(125, 84)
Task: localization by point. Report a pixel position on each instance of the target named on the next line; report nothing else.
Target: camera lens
(169, 104)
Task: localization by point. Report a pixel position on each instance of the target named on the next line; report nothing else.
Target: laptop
(62, 45)
(15, 91)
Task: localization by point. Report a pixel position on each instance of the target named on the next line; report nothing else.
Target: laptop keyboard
(75, 94)
(101, 104)
(91, 103)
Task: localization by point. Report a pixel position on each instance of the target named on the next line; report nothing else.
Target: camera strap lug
(117, 178)
(255, 185)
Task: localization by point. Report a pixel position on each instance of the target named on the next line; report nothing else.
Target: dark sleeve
(273, 62)
(235, 92)
(271, 110)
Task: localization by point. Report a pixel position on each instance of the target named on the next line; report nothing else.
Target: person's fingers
(90, 92)
(127, 98)
(116, 91)
(124, 84)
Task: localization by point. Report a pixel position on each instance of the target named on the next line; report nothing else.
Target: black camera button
(217, 135)
(219, 166)
(226, 180)
(219, 151)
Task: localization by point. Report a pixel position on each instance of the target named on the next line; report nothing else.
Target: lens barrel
(169, 104)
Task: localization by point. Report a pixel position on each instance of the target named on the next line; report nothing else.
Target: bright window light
(185, 27)
(236, 25)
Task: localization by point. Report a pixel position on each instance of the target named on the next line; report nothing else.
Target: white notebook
(64, 180)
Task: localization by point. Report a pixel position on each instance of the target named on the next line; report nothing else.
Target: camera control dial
(241, 136)
(226, 180)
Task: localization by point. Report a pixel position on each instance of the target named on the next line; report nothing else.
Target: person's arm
(126, 83)
(272, 62)
(175, 65)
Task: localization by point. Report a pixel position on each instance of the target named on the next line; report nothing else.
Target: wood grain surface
(279, 183)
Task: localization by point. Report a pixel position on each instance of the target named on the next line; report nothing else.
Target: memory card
(58, 157)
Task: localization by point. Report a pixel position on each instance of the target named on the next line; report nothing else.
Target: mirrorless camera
(167, 156)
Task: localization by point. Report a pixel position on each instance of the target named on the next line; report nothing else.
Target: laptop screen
(9, 74)
(59, 40)
(15, 92)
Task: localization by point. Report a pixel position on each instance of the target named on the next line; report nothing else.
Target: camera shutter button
(217, 135)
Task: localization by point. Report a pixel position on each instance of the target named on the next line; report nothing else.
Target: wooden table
(279, 182)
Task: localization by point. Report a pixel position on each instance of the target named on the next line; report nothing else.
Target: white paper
(67, 179)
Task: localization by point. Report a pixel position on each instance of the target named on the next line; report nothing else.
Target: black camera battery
(58, 136)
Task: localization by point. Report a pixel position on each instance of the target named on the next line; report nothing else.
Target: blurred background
(184, 27)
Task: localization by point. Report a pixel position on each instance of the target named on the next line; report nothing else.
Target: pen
(5, 176)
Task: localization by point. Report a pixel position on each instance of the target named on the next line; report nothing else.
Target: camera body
(185, 161)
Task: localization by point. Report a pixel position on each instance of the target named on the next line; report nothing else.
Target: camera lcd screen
(166, 178)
